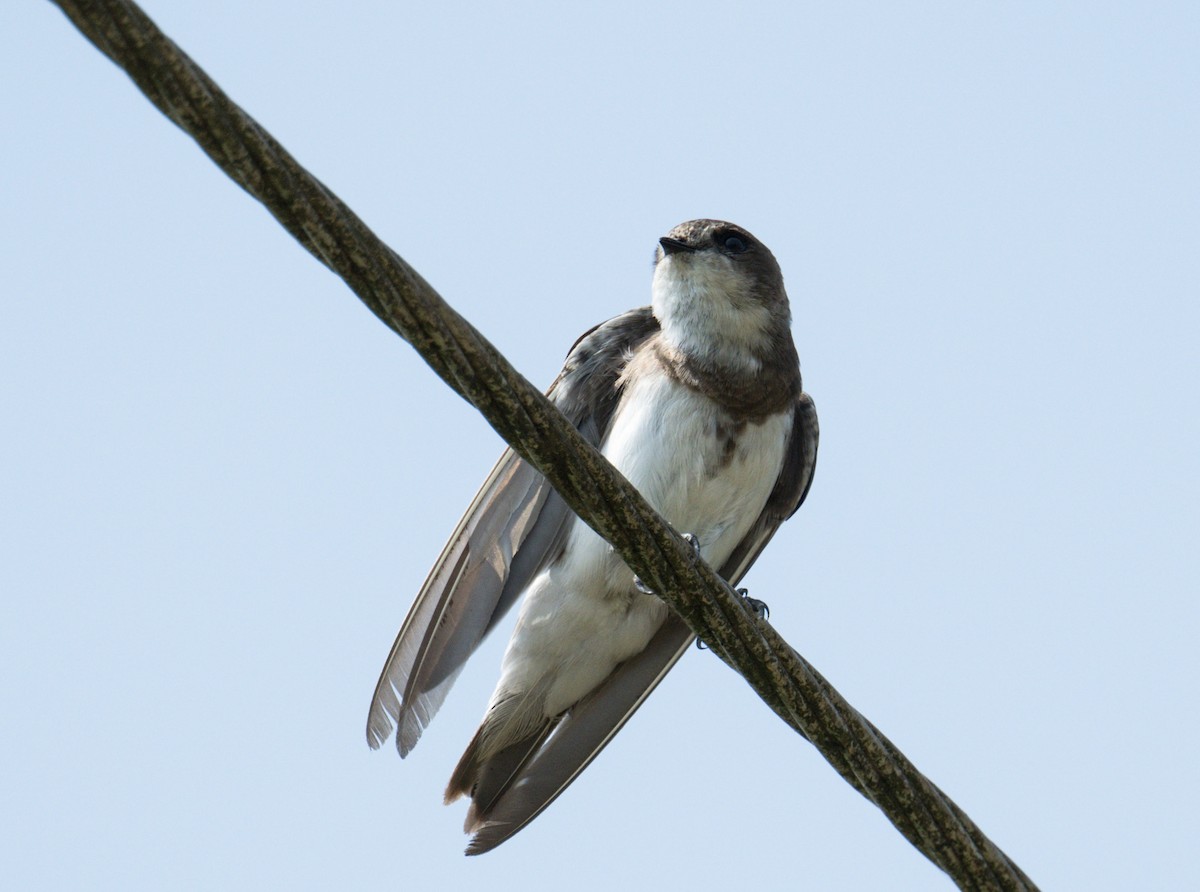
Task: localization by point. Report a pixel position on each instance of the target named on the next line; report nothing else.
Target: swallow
(697, 400)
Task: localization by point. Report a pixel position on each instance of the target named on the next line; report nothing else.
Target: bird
(697, 400)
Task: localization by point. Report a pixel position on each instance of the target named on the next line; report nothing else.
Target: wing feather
(459, 602)
(515, 523)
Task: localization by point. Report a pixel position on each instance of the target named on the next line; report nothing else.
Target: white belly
(582, 616)
(673, 444)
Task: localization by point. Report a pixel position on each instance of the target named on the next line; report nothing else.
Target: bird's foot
(645, 589)
(757, 607)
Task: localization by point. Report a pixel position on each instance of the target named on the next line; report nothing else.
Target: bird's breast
(706, 471)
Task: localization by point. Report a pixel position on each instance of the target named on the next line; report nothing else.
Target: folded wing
(515, 524)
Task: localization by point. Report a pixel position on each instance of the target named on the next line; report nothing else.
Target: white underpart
(582, 616)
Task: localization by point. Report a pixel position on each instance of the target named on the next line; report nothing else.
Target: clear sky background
(222, 480)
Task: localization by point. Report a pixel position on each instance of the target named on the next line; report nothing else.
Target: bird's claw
(757, 607)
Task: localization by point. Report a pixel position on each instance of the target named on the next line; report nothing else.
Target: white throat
(702, 306)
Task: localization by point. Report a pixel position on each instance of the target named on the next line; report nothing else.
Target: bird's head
(719, 291)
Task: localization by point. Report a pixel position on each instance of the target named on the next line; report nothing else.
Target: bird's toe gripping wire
(757, 607)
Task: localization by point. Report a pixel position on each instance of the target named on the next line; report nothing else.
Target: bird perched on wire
(697, 400)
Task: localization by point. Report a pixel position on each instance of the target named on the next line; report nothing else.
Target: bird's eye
(733, 244)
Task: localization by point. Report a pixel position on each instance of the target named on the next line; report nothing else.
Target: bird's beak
(675, 246)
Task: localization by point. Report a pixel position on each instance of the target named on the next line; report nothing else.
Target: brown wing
(514, 524)
(549, 768)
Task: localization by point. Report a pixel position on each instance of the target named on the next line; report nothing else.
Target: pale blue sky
(223, 479)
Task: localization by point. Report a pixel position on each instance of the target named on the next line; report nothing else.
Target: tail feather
(490, 780)
(569, 743)
(509, 735)
(466, 773)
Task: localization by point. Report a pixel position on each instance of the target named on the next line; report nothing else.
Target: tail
(514, 784)
(485, 777)
(510, 735)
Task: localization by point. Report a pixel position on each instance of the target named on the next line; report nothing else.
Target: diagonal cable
(463, 358)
